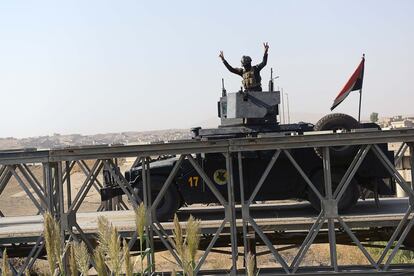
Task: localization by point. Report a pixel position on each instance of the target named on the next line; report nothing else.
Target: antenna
(282, 113)
(271, 85)
(223, 90)
(287, 105)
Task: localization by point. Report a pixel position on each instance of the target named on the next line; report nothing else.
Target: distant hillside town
(134, 137)
(127, 138)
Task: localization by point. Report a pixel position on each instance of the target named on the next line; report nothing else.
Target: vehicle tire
(170, 202)
(348, 199)
(338, 121)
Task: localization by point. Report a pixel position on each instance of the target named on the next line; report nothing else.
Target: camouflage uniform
(251, 78)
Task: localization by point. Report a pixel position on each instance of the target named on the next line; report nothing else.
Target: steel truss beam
(229, 209)
(329, 212)
(58, 164)
(218, 146)
(399, 154)
(33, 188)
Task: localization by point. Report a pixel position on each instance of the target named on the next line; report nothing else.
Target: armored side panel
(252, 104)
(244, 107)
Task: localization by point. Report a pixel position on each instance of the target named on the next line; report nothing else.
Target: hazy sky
(105, 66)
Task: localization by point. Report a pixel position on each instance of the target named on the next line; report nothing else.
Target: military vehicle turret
(254, 114)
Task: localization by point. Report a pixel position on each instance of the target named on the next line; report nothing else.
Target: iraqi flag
(354, 83)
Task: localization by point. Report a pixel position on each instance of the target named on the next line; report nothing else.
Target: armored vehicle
(254, 114)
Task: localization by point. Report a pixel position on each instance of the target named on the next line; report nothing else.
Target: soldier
(250, 74)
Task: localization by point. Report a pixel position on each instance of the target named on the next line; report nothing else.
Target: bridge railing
(53, 193)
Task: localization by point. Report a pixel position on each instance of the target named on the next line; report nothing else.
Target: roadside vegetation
(401, 257)
(112, 255)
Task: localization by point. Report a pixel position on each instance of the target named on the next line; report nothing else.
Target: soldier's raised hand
(221, 55)
(266, 46)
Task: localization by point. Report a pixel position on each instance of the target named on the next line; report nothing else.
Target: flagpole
(360, 97)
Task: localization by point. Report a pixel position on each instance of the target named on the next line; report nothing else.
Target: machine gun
(249, 107)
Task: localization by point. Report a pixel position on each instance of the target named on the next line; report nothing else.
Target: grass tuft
(73, 269)
(110, 244)
(193, 238)
(402, 256)
(187, 248)
(114, 252)
(53, 242)
(57, 245)
(178, 237)
(99, 258)
(250, 265)
(5, 268)
(140, 220)
(104, 234)
(82, 257)
(129, 268)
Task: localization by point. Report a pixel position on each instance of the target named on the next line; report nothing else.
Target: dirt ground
(318, 255)
(15, 202)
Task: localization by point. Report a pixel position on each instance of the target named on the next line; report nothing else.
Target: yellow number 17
(193, 181)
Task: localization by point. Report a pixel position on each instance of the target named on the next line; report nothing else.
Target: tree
(373, 117)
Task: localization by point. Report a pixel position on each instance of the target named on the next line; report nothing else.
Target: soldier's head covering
(246, 60)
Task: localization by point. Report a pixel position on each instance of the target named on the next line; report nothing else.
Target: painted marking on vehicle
(220, 176)
(193, 181)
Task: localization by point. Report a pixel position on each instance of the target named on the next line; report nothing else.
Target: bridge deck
(270, 217)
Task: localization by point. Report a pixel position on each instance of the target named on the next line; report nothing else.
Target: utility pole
(283, 106)
(282, 109)
(287, 105)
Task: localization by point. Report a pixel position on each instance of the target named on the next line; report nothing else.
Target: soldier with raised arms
(250, 74)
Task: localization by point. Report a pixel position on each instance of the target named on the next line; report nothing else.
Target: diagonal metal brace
(122, 182)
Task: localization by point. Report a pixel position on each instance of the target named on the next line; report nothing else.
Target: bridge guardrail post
(330, 207)
(249, 237)
(232, 211)
(146, 179)
(411, 146)
(48, 184)
(244, 206)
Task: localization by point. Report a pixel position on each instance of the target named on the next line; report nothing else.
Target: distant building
(396, 122)
(402, 123)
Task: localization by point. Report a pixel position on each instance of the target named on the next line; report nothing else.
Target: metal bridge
(230, 224)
